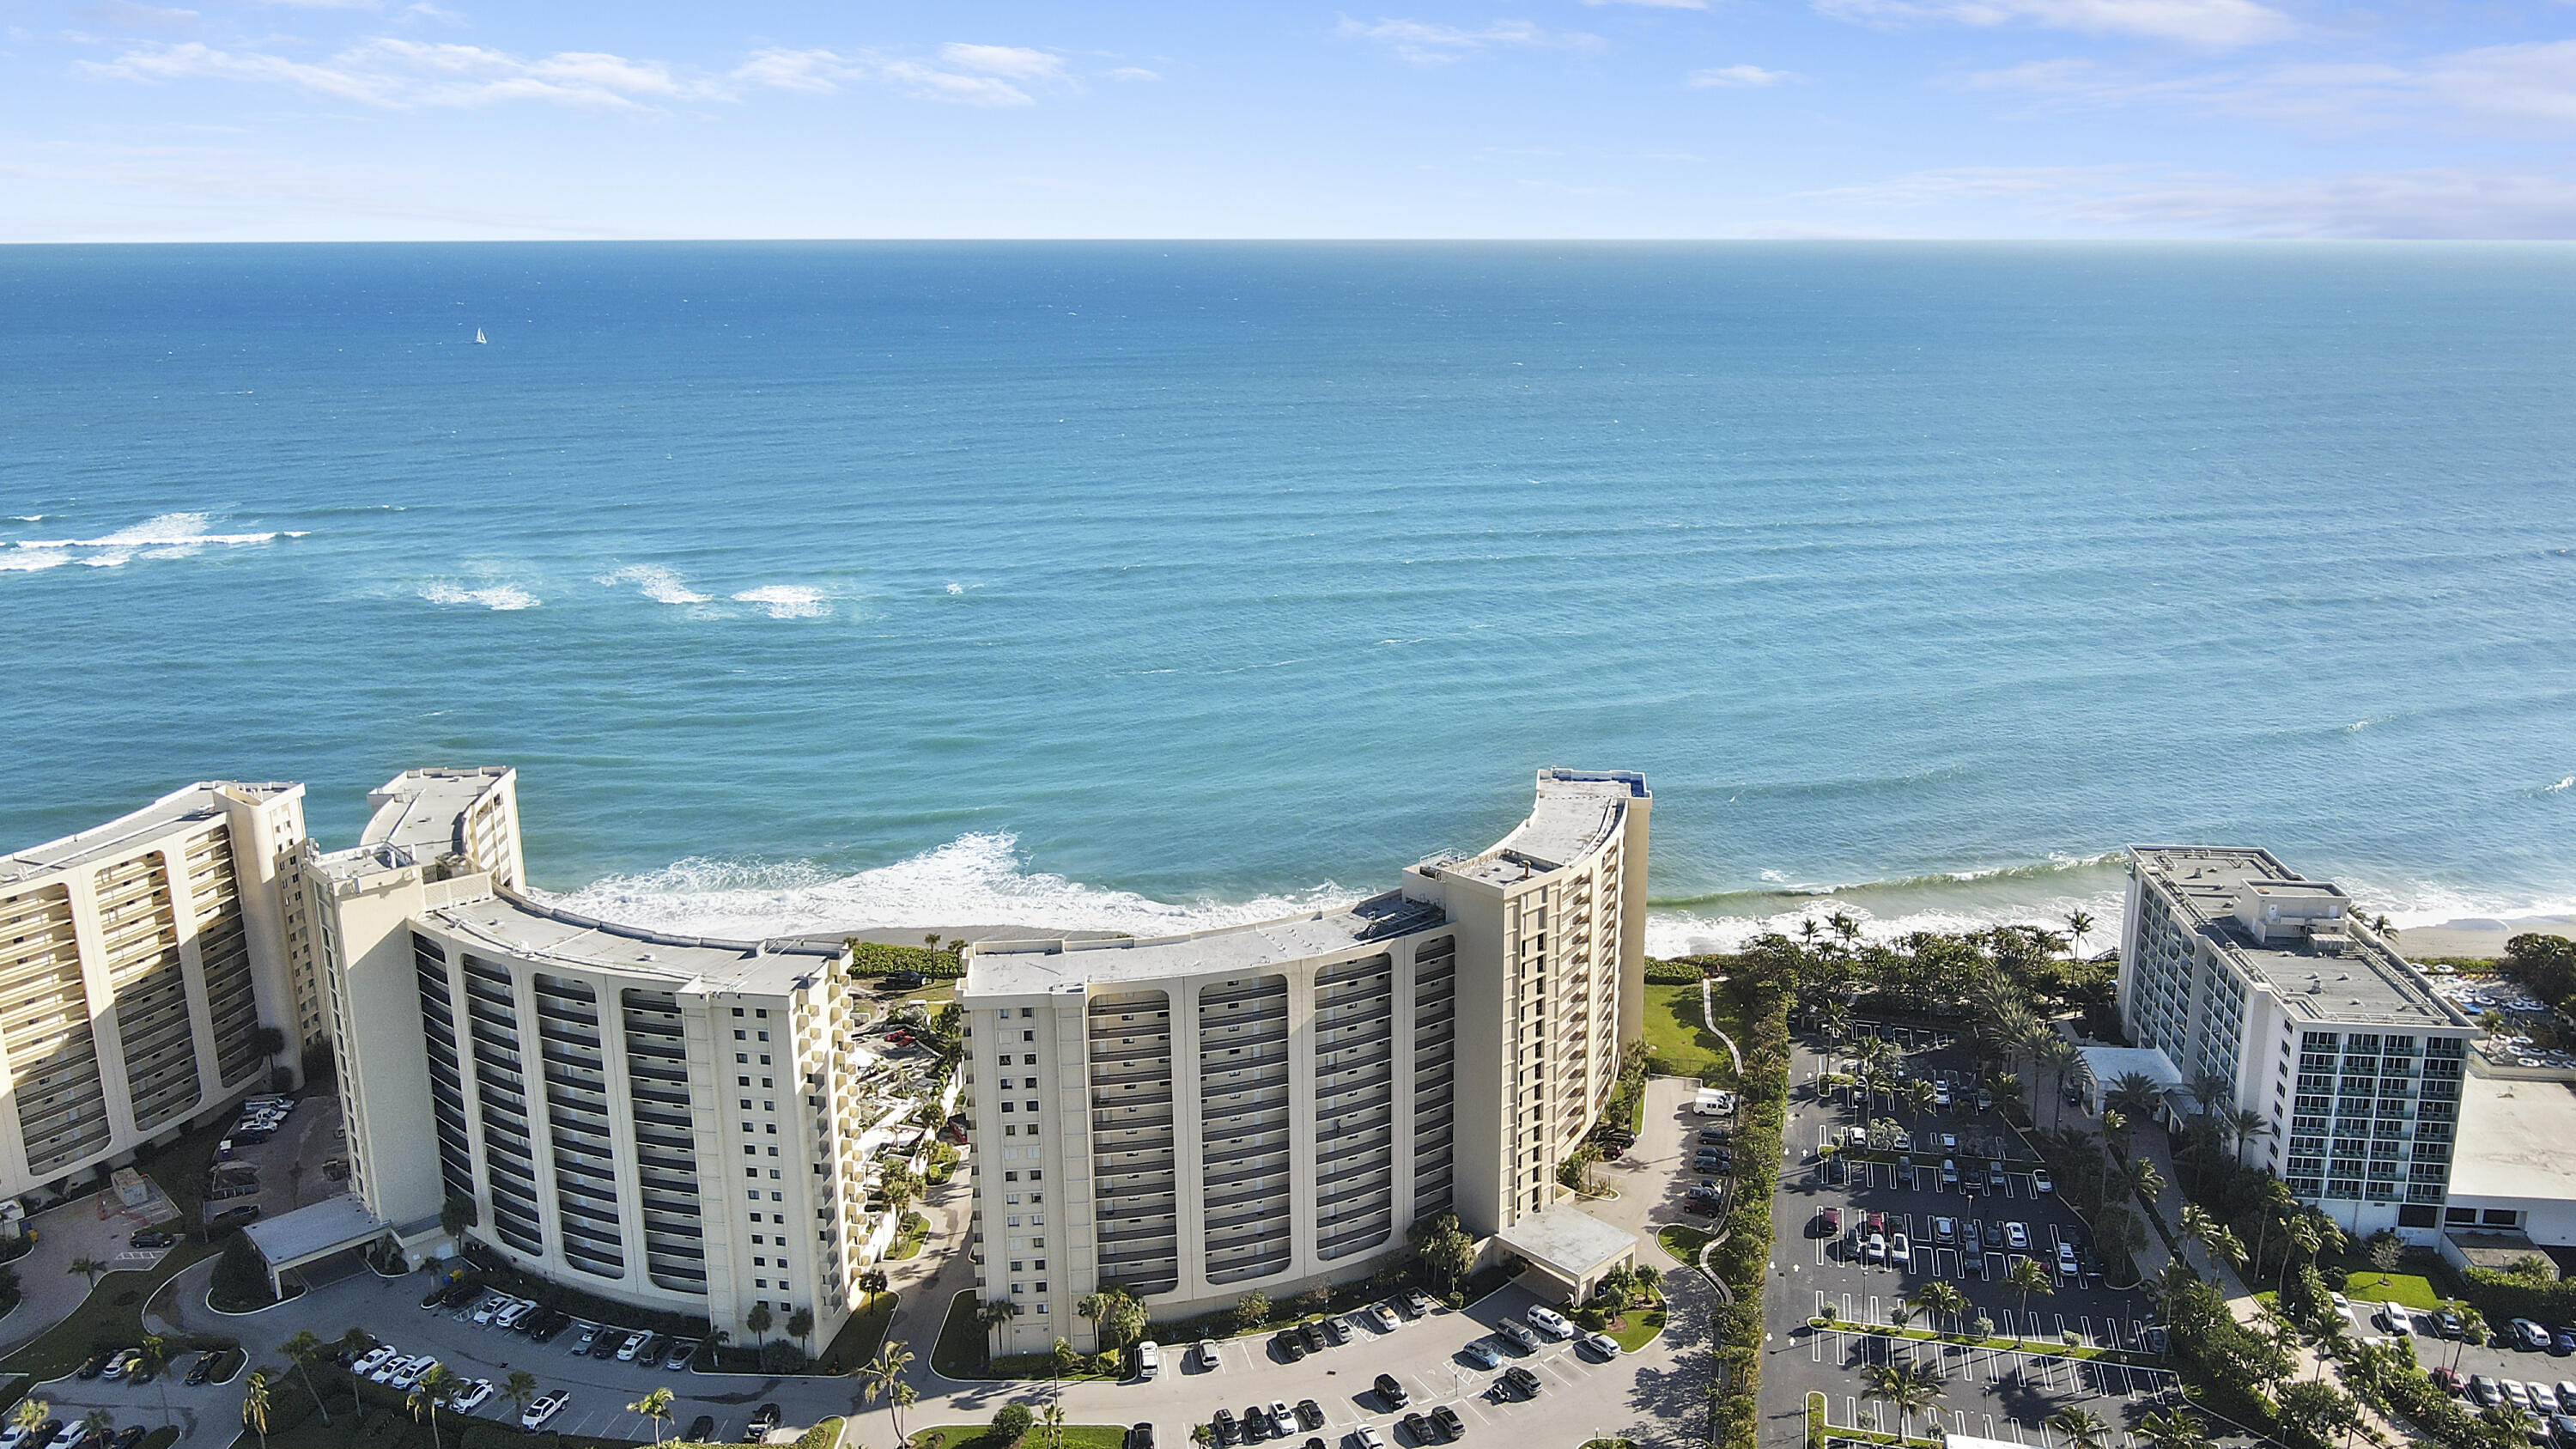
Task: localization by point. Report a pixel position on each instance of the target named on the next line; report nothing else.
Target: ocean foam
(659, 584)
(503, 597)
(165, 536)
(28, 560)
(975, 879)
(786, 601)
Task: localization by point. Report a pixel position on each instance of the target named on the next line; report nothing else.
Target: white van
(1149, 1359)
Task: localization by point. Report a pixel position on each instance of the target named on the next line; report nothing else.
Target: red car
(1829, 1221)
(2450, 1382)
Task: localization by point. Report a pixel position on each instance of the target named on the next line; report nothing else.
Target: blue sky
(431, 119)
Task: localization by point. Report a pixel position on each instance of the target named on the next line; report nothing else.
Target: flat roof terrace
(2364, 983)
(1011, 968)
(544, 934)
(201, 801)
(419, 809)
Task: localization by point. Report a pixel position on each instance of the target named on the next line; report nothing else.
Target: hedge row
(870, 958)
(1672, 973)
(2502, 1297)
(1745, 1256)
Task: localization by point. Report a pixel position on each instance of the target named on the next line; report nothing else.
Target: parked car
(701, 1429)
(2448, 1380)
(681, 1351)
(1224, 1425)
(763, 1419)
(633, 1345)
(2485, 1390)
(1383, 1317)
(1548, 1321)
(2562, 1342)
(1900, 1251)
(2040, 1182)
(906, 980)
(1945, 1229)
(476, 1391)
(1477, 1352)
(2528, 1335)
(587, 1339)
(153, 1238)
(372, 1360)
(1995, 1234)
(1829, 1223)
(202, 1370)
(1602, 1344)
(2392, 1318)
(611, 1339)
(128, 1437)
(1391, 1392)
(1416, 1428)
(2447, 1324)
(1290, 1346)
(1451, 1426)
(1526, 1340)
(1520, 1378)
(1370, 1438)
(1310, 1415)
(412, 1373)
(1874, 1249)
(91, 1367)
(2016, 1235)
(1311, 1334)
(543, 1409)
(1417, 1302)
(550, 1327)
(233, 1217)
(1138, 1436)
(1336, 1332)
(1838, 1172)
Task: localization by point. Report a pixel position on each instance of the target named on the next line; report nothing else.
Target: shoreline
(2469, 937)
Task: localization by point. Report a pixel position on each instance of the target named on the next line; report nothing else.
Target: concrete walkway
(1708, 1018)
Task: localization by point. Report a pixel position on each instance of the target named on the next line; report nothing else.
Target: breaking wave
(659, 584)
(786, 601)
(164, 536)
(503, 597)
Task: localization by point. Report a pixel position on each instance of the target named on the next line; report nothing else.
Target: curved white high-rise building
(1270, 1106)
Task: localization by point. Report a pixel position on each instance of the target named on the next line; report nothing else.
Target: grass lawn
(1637, 1327)
(1076, 1436)
(2412, 1289)
(111, 1314)
(1681, 1044)
(960, 1351)
(1683, 1244)
(856, 1343)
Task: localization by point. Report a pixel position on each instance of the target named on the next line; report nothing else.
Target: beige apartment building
(138, 961)
(1272, 1106)
(663, 1120)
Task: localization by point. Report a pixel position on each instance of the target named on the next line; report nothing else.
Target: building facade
(139, 963)
(2264, 983)
(662, 1120)
(1270, 1106)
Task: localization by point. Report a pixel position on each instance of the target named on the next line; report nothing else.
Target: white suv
(1550, 1322)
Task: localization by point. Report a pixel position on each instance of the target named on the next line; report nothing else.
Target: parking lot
(1966, 1229)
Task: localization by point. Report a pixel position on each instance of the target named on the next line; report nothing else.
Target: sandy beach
(2478, 937)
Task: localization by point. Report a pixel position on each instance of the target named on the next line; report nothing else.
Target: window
(769, 1104)
(1027, 1011)
(1004, 1059)
(737, 1011)
(1028, 1036)
(740, 1058)
(746, 1106)
(746, 1081)
(763, 1015)
(737, 1033)
(764, 1036)
(764, 1061)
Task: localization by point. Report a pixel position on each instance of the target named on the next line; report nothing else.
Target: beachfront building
(2264, 986)
(139, 962)
(1271, 1106)
(666, 1121)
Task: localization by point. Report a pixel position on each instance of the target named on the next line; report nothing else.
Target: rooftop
(2513, 1137)
(1575, 814)
(201, 801)
(1568, 1241)
(313, 1230)
(1010, 968)
(2325, 966)
(543, 933)
(418, 810)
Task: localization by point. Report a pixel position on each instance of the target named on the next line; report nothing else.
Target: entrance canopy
(310, 1234)
(2104, 1065)
(1570, 1247)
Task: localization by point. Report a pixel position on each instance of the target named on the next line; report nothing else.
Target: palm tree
(1051, 1425)
(2303, 1236)
(2059, 1055)
(303, 1351)
(29, 1414)
(435, 1388)
(1095, 1306)
(2174, 1429)
(2196, 1222)
(1939, 1298)
(88, 1267)
(2276, 1202)
(255, 1406)
(2227, 1248)
(883, 1376)
(96, 1425)
(757, 1320)
(800, 1326)
(520, 1388)
(1918, 1095)
(1911, 1387)
(655, 1406)
(2473, 1329)
(2142, 1179)
(2081, 1429)
(2079, 924)
(2135, 1094)
(156, 1358)
(353, 1342)
(2026, 1278)
(2243, 1125)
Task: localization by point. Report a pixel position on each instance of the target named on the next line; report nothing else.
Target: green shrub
(1672, 973)
(1009, 1422)
(782, 1357)
(868, 958)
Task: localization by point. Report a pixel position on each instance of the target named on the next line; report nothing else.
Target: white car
(412, 1372)
(492, 1304)
(1149, 1359)
(372, 1360)
(2515, 1394)
(1370, 1438)
(545, 1408)
(15, 1436)
(1550, 1322)
(2039, 1180)
(1207, 1353)
(1383, 1318)
(384, 1372)
(1940, 1094)
(633, 1345)
(1602, 1344)
(475, 1393)
(2016, 1235)
(1900, 1251)
(511, 1316)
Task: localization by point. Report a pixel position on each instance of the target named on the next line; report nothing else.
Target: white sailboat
(479, 337)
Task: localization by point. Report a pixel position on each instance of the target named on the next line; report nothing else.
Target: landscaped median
(2037, 1347)
(985, 1436)
(1754, 1006)
(110, 1317)
(1819, 1433)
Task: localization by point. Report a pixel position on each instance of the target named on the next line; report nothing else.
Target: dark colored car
(1838, 1173)
(1289, 1345)
(202, 1370)
(233, 1217)
(652, 1351)
(1712, 1134)
(1416, 1428)
(1139, 1436)
(1391, 1391)
(1522, 1379)
(610, 1341)
(1451, 1426)
(681, 1351)
(129, 1436)
(551, 1327)
(2562, 1341)
(702, 1428)
(1226, 1432)
(906, 980)
(1312, 1334)
(90, 1368)
(763, 1419)
(153, 1238)
(1256, 1423)
(457, 1295)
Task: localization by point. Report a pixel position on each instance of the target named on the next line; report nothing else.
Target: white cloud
(932, 84)
(1737, 77)
(403, 74)
(1016, 62)
(126, 15)
(2506, 87)
(2215, 24)
(1425, 43)
(1656, 4)
(817, 71)
(1134, 73)
(2432, 203)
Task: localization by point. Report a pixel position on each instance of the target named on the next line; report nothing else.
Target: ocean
(1154, 586)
